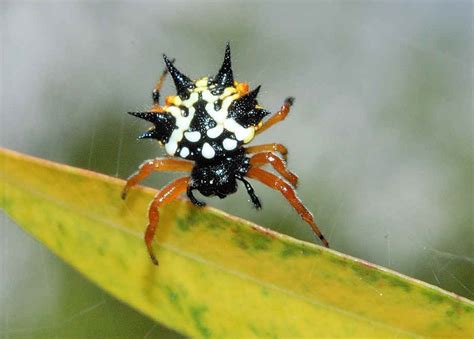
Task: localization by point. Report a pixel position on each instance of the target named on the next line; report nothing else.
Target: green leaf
(219, 276)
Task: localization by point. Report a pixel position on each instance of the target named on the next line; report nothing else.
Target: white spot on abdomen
(184, 152)
(193, 136)
(207, 151)
(229, 144)
(215, 132)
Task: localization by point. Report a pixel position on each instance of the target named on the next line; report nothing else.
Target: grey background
(381, 133)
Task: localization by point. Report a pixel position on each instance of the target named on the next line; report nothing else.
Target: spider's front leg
(289, 193)
(158, 164)
(166, 195)
(278, 116)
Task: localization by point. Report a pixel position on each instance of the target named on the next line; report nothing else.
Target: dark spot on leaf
(433, 297)
(468, 308)
(197, 314)
(369, 276)
(260, 243)
(173, 296)
(252, 241)
(254, 330)
(338, 261)
(183, 224)
(397, 282)
(241, 243)
(290, 251)
(60, 227)
(310, 252)
(214, 225)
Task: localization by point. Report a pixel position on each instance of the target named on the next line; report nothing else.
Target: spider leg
(278, 116)
(158, 164)
(255, 200)
(289, 193)
(278, 164)
(166, 195)
(159, 84)
(189, 193)
(268, 148)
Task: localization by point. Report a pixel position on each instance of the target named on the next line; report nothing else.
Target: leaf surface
(219, 276)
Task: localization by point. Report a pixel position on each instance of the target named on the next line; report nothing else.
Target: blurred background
(381, 133)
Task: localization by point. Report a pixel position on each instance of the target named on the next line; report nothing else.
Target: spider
(204, 129)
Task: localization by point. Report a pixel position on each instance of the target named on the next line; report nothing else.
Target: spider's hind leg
(289, 193)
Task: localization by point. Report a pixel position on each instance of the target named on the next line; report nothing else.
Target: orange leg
(158, 164)
(166, 195)
(159, 84)
(289, 193)
(278, 116)
(261, 159)
(268, 147)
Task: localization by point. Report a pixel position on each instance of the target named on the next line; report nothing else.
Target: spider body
(205, 128)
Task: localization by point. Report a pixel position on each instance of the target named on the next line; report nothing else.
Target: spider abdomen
(207, 126)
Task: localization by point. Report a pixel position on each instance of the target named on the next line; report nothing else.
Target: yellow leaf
(219, 276)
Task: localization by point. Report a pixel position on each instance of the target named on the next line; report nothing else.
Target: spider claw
(150, 252)
(154, 260)
(123, 195)
(324, 241)
(257, 204)
(193, 199)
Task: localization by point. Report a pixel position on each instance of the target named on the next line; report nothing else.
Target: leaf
(219, 276)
